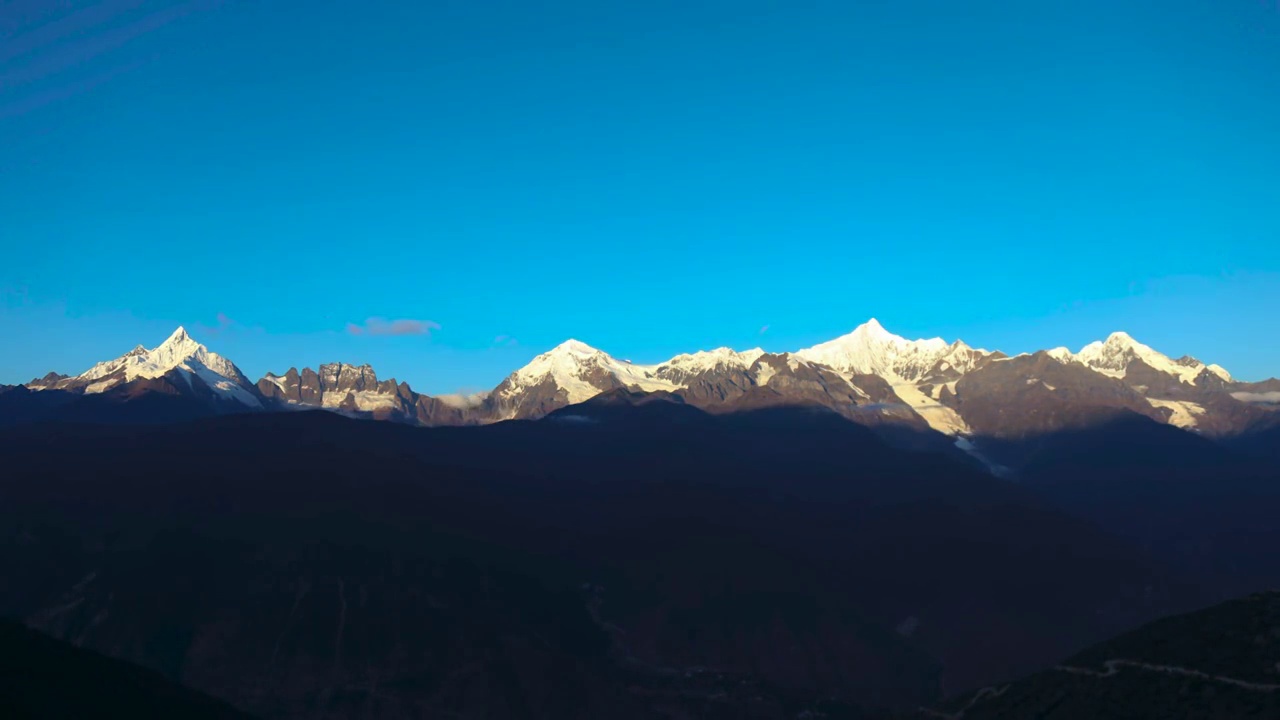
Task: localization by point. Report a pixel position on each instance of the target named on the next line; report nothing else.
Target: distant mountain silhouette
(1205, 507)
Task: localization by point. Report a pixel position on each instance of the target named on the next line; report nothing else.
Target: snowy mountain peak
(178, 352)
(581, 372)
(574, 347)
(180, 347)
(873, 328)
(1113, 357)
(872, 350)
(1061, 354)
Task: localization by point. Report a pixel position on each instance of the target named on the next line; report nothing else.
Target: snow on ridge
(711, 359)
(939, 416)
(1061, 354)
(277, 380)
(1184, 413)
(365, 400)
(571, 365)
(576, 368)
(1220, 371)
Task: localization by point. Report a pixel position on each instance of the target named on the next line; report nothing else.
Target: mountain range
(872, 521)
(934, 392)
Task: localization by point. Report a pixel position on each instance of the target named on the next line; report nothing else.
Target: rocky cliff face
(342, 387)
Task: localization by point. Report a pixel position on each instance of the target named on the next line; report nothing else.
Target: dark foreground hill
(618, 558)
(42, 678)
(1222, 663)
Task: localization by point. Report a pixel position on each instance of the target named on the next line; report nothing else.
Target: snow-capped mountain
(720, 380)
(872, 350)
(570, 373)
(874, 376)
(916, 370)
(1114, 356)
(179, 357)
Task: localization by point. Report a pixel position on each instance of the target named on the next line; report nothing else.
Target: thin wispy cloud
(15, 295)
(221, 325)
(764, 329)
(37, 30)
(46, 53)
(505, 341)
(382, 327)
(227, 328)
(35, 101)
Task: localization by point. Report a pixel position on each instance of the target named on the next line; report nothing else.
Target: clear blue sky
(649, 178)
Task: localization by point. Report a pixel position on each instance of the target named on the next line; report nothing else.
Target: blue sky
(650, 178)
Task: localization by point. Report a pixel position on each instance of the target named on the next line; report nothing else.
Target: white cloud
(1264, 397)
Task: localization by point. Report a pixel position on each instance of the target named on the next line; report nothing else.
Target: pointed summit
(872, 350)
(872, 327)
(177, 348)
(576, 347)
(179, 352)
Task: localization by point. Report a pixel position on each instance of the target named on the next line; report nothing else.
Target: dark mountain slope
(141, 402)
(1196, 503)
(1262, 444)
(42, 678)
(1222, 662)
(786, 545)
